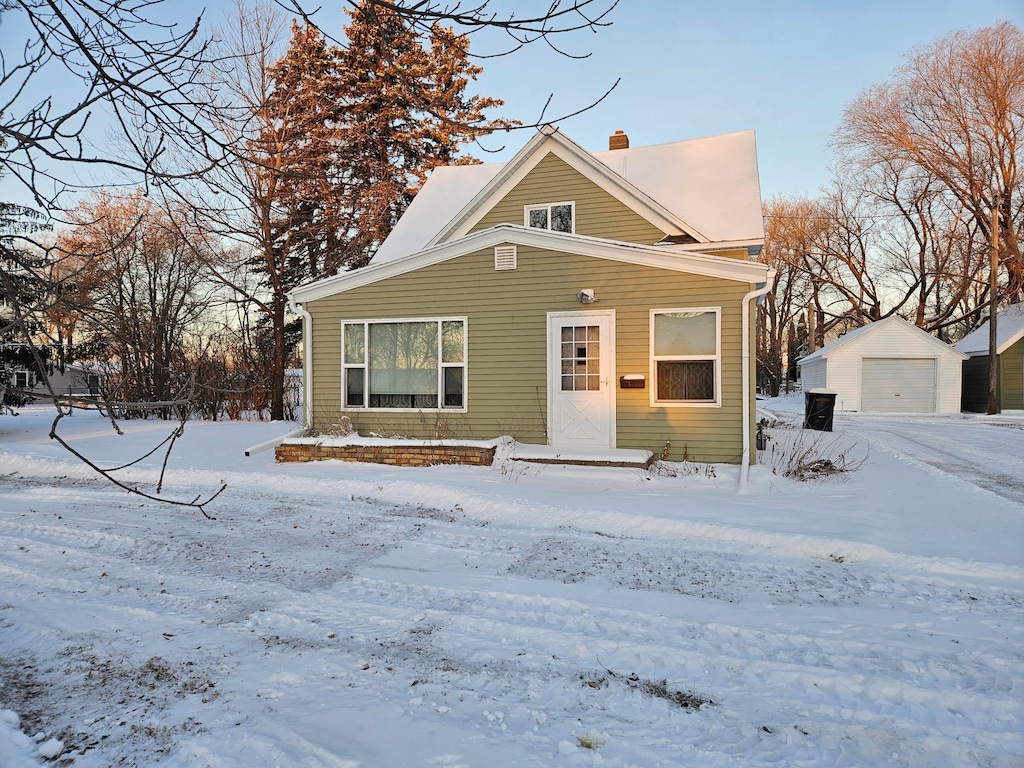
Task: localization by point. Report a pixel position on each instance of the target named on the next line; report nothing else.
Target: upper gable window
(558, 217)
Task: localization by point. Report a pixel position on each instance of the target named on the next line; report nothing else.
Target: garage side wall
(812, 374)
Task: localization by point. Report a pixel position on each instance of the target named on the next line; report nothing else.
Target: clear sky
(785, 68)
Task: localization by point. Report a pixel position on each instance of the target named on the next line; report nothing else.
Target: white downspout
(745, 374)
(307, 363)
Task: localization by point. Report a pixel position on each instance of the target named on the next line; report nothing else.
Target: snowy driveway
(987, 453)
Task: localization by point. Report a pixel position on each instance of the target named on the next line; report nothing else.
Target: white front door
(581, 391)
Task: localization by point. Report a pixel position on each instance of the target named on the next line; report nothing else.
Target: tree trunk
(278, 366)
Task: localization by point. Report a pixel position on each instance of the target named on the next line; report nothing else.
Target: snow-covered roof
(709, 185)
(447, 191)
(864, 330)
(1009, 330)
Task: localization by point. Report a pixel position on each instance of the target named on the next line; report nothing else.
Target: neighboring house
(1010, 367)
(565, 298)
(77, 379)
(889, 366)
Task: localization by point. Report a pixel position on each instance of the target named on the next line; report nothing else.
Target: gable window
(410, 364)
(686, 356)
(558, 217)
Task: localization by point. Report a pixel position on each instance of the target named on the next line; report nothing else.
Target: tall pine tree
(347, 137)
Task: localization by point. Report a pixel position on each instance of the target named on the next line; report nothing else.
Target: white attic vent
(505, 257)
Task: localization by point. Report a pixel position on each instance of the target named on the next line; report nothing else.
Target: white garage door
(898, 385)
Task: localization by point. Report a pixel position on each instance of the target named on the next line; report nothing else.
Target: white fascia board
(864, 330)
(580, 160)
(613, 250)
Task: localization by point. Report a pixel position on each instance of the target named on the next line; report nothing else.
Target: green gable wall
(506, 378)
(598, 214)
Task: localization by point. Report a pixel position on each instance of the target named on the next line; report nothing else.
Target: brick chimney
(618, 140)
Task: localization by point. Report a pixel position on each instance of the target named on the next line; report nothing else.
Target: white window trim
(440, 367)
(717, 359)
(548, 207)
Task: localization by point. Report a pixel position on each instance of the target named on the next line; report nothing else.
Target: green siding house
(580, 300)
(1010, 363)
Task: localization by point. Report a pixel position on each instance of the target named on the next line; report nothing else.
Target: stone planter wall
(396, 455)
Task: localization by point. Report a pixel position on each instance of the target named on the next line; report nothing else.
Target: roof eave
(646, 255)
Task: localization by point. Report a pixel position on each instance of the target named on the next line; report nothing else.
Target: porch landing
(583, 457)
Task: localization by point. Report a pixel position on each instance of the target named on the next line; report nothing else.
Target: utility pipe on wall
(745, 374)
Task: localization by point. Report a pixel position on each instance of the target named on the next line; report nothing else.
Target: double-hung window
(558, 217)
(686, 356)
(409, 364)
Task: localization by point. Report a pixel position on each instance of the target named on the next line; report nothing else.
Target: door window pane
(581, 358)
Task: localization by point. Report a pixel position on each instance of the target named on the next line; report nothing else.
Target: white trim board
(658, 257)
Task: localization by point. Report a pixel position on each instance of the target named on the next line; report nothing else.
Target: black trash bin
(819, 406)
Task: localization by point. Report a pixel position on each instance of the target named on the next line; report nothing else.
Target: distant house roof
(858, 333)
(1009, 330)
(707, 188)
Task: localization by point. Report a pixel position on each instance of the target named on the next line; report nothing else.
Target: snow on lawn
(359, 616)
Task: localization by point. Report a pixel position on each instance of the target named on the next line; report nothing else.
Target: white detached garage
(889, 366)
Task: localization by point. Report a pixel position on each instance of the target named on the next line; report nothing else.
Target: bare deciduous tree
(790, 234)
(147, 293)
(955, 110)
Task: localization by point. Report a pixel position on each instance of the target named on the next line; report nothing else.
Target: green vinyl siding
(1009, 383)
(1011, 377)
(598, 214)
(506, 374)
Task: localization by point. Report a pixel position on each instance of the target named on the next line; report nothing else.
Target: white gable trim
(859, 333)
(513, 234)
(551, 140)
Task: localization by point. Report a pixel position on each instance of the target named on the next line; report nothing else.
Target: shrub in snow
(800, 457)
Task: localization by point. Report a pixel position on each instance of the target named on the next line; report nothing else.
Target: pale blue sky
(785, 68)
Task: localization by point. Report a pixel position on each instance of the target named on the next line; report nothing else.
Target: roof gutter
(745, 374)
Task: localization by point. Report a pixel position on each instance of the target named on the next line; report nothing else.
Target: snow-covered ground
(358, 616)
